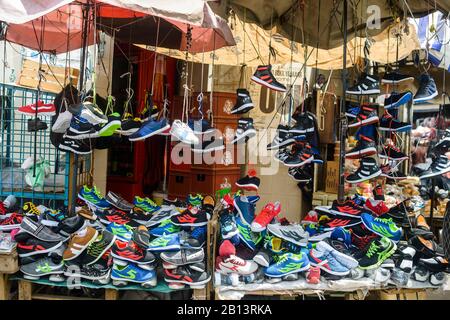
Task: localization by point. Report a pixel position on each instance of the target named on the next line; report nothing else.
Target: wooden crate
(9, 263)
(332, 177)
(54, 77)
(321, 198)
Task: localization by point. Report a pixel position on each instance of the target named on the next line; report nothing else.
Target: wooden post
(111, 294)
(25, 290)
(4, 287)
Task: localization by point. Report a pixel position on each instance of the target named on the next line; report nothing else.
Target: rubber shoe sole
(268, 85)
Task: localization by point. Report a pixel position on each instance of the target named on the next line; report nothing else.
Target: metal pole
(342, 127)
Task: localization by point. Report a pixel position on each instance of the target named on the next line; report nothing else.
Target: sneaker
(391, 152)
(399, 277)
(299, 175)
(79, 242)
(74, 146)
(121, 274)
(249, 183)
(245, 209)
(81, 128)
(43, 267)
(226, 249)
(145, 204)
(88, 111)
(263, 76)
(444, 140)
(118, 201)
(267, 214)
(38, 230)
(36, 125)
(300, 157)
(405, 261)
(12, 222)
(243, 102)
(165, 227)
(293, 233)
(438, 279)
(440, 165)
(33, 246)
(244, 131)
(282, 139)
(346, 260)
(383, 227)
(131, 252)
(197, 237)
(330, 225)
(141, 236)
(390, 124)
(378, 207)
(109, 128)
(343, 235)
(378, 251)
(427, 89)
(99, 247)
(347, 209)
(396, 100)
(123, 232)
(182, 132)
(71, 225)
(351, 111)
(365, 147)
(368, 114)
(43, 109)
(114, 215)
(150, 128)
(246, 235)
(165, 243)
(421, 274)
(184, 256)
(262, 257)
(234, 264)
(186, 276)
(313, 275)
(228, 228)
(305, 125)
(195, 200)
(368, 169)
(288, 263)
(435, 264)
(189, 219)
(93, 197)
(395, 78)
(367, 84)
(282, 155)
(391, 173)
(361, 237)
(327, 262)
(129, 125)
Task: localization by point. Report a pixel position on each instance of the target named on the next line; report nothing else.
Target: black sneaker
(439, 166)
(395, 78)
(244, 131)
(80, 129)
(282, 139)
(351, 110)
(365, 147)
(444, 141)
(367, 84)
(33, 246)
(398, 214)
(282, 155)
(141, 236)
(396, 100)
(263, 76)
(392, 153)
(368, 169)
(109, 128)
(129, 126)
(248, 183)
(209, 145)
(75, 146)
(378, 251)
(300, 157)
(139, 216)
(427, 89)
(36, 125)
(243, 102)
(70, 225)
(435, 264)
(98, 248)
(100, 271)
(367, 115)
(390, 124)
(151, 111)
(304, 125)
(187, 276)
(118, 201)
(299, 175)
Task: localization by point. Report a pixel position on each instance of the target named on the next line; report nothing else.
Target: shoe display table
(9, 264)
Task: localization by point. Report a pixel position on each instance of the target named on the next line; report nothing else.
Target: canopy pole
(342, 127)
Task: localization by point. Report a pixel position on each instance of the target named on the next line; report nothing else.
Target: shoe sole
(103, 252)
(361, 93)
(301, 132)
(249, 133)
(109, 129)
(43, 114)
(152, 282)
(150, 134)
(91, 117)
(402, 129)
(128, 132)
(23, 255)
(103, 280)
(320, 236)
(425, 99)
(430, 175)
(290, 272)
(69, 149)
(188, 283)
(303, 163)
(9, 227)
(381, 235)
(36, 277)
(397, 81)
(245, 106)
(129, 260)
(403, 100)
(365, 122)
(268, 85)
(166, 248)
(84, 247)
(385, 256)
(199, 224)
(343, 214)
(374, 175)
(361, 154)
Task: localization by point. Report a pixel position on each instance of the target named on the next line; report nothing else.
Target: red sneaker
(227, 201)
(11, 222)
(43, 109)
(2, 209)
(130, 251)
(311, 217)
(267, 214)
(313, 275)
(376, 206)
(227, 249)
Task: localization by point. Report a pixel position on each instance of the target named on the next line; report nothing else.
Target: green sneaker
(377, 252)
(109, 128)
(250, 238)
(146, 204)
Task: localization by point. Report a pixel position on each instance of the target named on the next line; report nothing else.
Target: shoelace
(237, 261)
(372, 250)
(97, 193)
(282, 259)
(150, 202)
(385, 221)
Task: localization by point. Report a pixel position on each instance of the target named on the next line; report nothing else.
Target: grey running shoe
(166, 212)
(117, 201)
(183, 257)
(293, 233)
(42, 267)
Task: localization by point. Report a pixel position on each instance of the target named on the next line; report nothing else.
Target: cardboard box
(332, 177)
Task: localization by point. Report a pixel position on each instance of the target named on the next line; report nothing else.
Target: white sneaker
(182, 132)
(234, 264)
(62, 123)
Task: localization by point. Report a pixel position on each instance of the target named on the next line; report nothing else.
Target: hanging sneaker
(122, 274)
(367, 85)
(392, 152)
(200, 126)
(43, 109)
(293, 233)
(390, 124)
(267, 214)
(395, 78)
(74, 146)
(182, 132)
(248, 183)
(243, 102)
(80, 128)
(383, 227)
(118, 201)
(186, 276)
(368, 169)
(36, 125)
(378, 192)
(351, 111)
(149, 128)
(208, 145)
(89, 111)
(378, 251)
(444, 141)
(299, 175)
(440, 165)
(129, 125)
(62, 122)
(234, 264)
(79, 242)
(365, 147)
(109, 128)
(396, 100)
(183, 257)
(391, 173)
(305, 124)
(228, 228)
(282, 139)
(123, 232)
(300, 157)
(150, 111)
(368, 114)
(288, 263)
(165, 227)
(93, 197)
(244, 131)
(427, 89)
(263, 76)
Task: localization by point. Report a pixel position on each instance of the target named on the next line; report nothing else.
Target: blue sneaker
(327, 262)
(150, 128)
(228, 228)
(359, 200)
(146, 204)
(250, 238)
(165, 227)
(245, 209)
(342, 235)
(165, 243)
(93, 197)
(253, 199)
(382, 227)
(197, 237)
(396, 100)
(52, 218)
(427, 89)
(122, 231)
(122, 274)
(288, 263)
(352, 111)
(236, 240)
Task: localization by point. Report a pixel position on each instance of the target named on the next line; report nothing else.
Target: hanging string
(155, 61)
(270, 36)
(185, 74)
(210, 111)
